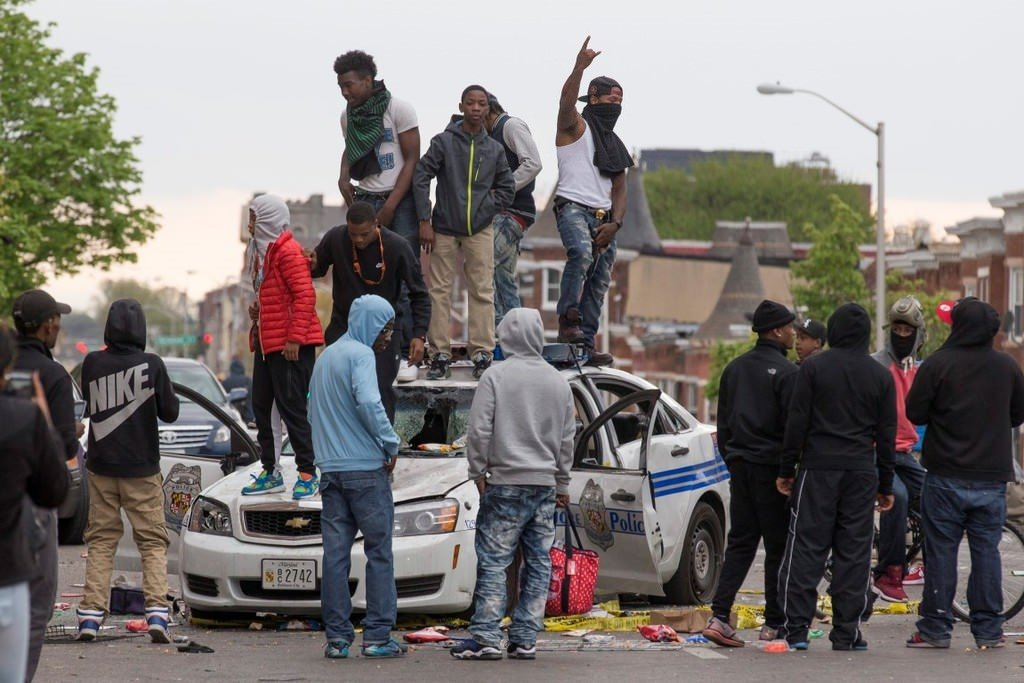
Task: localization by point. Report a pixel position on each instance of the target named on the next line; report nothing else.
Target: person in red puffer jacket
(284, 337)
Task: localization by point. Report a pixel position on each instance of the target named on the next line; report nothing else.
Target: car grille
(254, 589)
(419, 586)
(202, 585)
(191, 436)
(292, 523)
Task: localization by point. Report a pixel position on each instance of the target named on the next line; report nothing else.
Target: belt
(598, 213)
(372, 195)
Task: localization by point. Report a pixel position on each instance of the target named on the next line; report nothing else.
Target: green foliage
(686, 206)
(897, 286)
(165, 307)
(68, 186)
(722, 354)
(829, 277)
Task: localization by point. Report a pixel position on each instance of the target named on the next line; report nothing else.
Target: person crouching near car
(841, 430)
(519, 447)
(355, 447)
(970, 396)
(33, 465)
(126, 390)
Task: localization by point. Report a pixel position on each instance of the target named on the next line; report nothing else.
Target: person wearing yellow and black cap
(753, 400)
(810, 338)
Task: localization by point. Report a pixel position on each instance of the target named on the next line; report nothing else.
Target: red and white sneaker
(914, 577)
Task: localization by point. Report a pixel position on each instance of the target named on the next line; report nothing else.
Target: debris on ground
(659, 633)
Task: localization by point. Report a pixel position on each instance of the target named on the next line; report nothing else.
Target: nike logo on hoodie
(122, 390)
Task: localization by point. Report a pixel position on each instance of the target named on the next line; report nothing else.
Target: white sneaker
(407, 372)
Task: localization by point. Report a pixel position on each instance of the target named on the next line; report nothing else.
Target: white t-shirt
(579, 180)
(398, 118)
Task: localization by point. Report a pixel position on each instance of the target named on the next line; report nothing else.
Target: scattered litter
(697, 639)
(598, 639)
(85, 553)
(300, 625)
(659, 633)
(617, 645)
(72, 595)
(136, 625)
(815, 633)
(426, 635)
(78, 585)
(181, 639)
(193, 646)
(255, 626)
(61, 606)
(578, 633)
(1020, 641)
(775, 646)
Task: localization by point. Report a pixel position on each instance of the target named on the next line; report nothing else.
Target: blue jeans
(951, 507)
(507, 235)
(358, 501)
(511, 516)
(587, 275)
(14, 628)
(892, 525)
(406, 225)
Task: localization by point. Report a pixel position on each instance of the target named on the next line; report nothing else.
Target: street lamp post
(879, 131)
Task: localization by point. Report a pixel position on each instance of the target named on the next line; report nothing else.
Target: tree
(686, 205)
(722, 353)
(830, 276)
(166, 311)
(68, 187)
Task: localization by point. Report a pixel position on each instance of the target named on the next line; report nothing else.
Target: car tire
(700, 564)
(71, 530)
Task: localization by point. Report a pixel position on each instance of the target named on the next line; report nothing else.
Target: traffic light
(81, 347)
(207, 338)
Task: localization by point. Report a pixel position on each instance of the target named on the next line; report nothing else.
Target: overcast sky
(232, 97)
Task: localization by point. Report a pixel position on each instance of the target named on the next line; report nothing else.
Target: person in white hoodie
(519, 446)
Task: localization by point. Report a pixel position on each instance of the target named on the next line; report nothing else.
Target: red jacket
(287, 298)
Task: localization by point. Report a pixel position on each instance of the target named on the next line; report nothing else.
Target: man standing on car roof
(753, 396)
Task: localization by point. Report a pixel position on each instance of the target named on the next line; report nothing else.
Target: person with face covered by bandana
(284, 337)
(902, 344)
(590, 200)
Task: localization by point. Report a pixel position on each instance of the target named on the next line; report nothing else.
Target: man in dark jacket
(126, 390)
(369, 260)
(237, 379)
(970, 396)
(37, 319)
(753, 396)
(841, 430)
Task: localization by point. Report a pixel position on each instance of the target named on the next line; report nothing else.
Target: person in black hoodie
(752, 401)
(125, 390)
(841, 431)
(970, 396)
(31, 457)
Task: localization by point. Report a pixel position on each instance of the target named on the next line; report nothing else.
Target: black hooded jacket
(126, 390)
(33, 355)
(970, 396)
(843, 412)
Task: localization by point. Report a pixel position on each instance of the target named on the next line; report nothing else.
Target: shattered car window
(431, 421)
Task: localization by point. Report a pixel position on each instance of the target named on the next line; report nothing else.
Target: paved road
(242, 655)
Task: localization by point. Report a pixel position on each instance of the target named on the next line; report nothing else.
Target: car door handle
(623, 496)
(680, 451)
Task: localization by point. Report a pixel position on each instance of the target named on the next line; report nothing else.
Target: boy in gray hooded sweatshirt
(519, 446)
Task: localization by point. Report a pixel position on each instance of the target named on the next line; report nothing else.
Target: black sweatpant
(830, 510)
(287, 383)
(756, 510)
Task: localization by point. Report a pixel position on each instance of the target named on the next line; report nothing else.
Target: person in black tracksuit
(753, 397)
(841, 432)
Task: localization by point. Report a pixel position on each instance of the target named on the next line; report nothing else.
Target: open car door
(184, 476)
(611, 495)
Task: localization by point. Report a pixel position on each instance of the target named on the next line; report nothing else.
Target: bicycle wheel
(1011, 551)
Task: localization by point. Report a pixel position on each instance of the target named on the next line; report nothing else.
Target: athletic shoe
(799, 645)
(336, 649)
(89, 621)
(990, 644)
(467, 648)
(481, 361)
(306, 485)
(517, 651)
(916, 640)
(720, 632)
(914, 577)
(768, 633)
(407, 372)
(156, 618)
(889, 585)
(440, 367)
(392, 648)
(597, 359)
(266, 482)
(858, 646)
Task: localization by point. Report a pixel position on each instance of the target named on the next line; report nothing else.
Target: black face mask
(607, 113)
(902, 346)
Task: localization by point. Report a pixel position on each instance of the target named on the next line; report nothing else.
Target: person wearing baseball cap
(37, 320)
(810, 338)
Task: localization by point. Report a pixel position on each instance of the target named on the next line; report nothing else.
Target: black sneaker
(517, 651)
(440, 367)
(598, 358)
(481, 361)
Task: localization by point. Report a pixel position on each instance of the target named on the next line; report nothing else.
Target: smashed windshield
(431, 421)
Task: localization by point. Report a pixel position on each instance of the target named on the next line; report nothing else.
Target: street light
(879, 131)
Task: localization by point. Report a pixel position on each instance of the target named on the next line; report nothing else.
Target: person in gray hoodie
(519, 446)
(474, 184)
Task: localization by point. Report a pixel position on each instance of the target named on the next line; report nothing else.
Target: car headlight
(208, 516)
(430, 517)
(222, 435)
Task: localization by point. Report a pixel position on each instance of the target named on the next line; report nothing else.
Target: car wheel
(70, 530)
(700, 565)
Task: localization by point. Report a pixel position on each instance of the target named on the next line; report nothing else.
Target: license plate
(289, 575)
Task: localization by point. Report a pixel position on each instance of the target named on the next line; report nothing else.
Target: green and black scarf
(365, 132)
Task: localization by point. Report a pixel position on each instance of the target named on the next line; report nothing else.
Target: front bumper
(434, 574)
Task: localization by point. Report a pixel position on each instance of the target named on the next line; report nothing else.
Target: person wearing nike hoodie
(125, 391)
(519, 447)
(841, 430)
(970, 396)
(474, 184)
